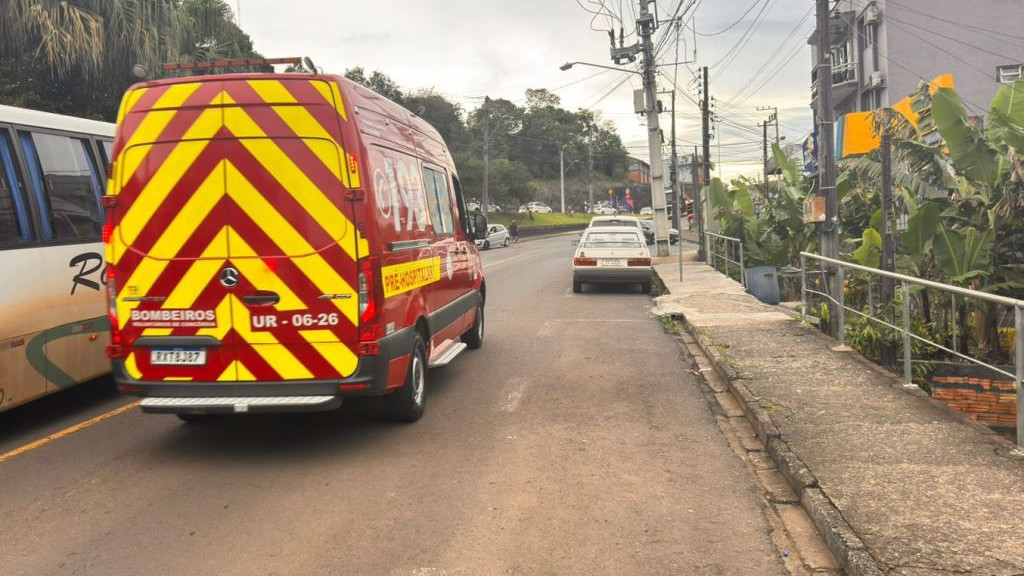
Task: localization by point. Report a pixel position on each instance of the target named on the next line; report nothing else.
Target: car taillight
(639, 262)
(115, 349)
(584, 262)
(369, 306)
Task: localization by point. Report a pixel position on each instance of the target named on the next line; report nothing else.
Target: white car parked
(647, 211)
(615, 255)
(536, 207)
(604, 209)
(497, 235)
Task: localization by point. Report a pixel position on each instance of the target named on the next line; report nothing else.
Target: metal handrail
(839, 267)
(726, 257)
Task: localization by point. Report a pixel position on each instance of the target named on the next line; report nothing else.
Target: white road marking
(515, 397)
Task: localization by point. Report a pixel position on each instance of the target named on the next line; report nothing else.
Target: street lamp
(569, 65)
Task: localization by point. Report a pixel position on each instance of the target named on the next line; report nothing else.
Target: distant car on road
(611, 255)
(604, 209)
(497, 235)
(539, 207)
(648, 228)
(646, 211)
(472, 206)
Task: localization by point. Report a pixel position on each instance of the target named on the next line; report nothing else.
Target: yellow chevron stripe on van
(332, 94)
(167, 176)
(128, 103)
(266, 345)
(196, 209)
(253, 269)
(156, 120)
(223, 314)
(291, 177)
(272, 91)
(132, 368)
(244, 375)
(230, 373)
(336, 353)
(290, 241)
(324, 147)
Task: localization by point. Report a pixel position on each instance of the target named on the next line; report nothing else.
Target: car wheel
(407, 403)
(474, 339)
(487, 245)
(507, 242)
(198, 418)
(577, 286)
(645, 288)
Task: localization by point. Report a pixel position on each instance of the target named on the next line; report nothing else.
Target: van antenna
(308, 64)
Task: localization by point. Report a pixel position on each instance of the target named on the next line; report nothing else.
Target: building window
(1010, 73)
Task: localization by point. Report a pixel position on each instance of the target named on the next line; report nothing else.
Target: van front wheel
(407, 403)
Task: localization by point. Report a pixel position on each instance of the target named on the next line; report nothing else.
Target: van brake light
(115, 349)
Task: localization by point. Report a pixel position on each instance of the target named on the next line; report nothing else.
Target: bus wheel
(407, 403)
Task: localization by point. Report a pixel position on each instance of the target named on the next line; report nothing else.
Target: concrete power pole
(679, 204)
(590, 167)
(484, 201)
(561, 172)
(829, 229)
(705, 106)
(888, 293)
(647, 24)
(764, 142)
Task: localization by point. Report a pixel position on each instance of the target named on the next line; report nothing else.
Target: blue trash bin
(763, 283)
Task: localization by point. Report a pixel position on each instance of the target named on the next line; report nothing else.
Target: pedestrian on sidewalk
(513, 230)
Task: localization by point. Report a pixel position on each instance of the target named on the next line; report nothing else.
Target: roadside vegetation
(540, 220)
(958, 191)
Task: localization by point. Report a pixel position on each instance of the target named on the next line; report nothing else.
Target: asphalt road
(573, 442)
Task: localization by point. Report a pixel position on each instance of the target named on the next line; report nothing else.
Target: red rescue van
(276, 242)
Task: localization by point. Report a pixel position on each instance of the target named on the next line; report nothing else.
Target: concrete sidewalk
(896, 482)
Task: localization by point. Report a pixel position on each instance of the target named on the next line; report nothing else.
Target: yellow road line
(69, 431)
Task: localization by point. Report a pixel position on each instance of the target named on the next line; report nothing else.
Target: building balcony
(844, 82)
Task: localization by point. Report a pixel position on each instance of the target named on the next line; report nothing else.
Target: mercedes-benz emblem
(229, 277)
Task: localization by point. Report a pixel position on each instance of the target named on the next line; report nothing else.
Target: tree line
(525, 142)
(77, 57)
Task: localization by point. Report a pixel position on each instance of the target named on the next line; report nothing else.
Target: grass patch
(540, 220)
(669, 324)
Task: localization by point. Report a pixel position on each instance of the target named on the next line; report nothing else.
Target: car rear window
(612, 240)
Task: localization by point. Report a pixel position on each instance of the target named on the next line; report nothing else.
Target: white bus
(53, 323)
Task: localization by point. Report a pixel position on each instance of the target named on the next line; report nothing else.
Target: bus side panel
(20, 382)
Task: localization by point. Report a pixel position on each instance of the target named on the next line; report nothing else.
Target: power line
(733, 25)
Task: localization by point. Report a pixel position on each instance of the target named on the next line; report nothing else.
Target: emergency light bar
(172, 66)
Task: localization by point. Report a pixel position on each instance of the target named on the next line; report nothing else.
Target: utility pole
(673, 168)
(765, 145)
(561, 171)
(829, 229)
(705, 105)
(647, 24)
(487, 154)
(590, 167)
(888, 293)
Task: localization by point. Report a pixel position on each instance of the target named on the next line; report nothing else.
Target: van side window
(66, 183)
(14, 215)
(464, 220)
(439, 201)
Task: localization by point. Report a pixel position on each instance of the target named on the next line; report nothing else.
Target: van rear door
(235, 229)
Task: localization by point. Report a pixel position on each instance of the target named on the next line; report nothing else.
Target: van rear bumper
(369, 379)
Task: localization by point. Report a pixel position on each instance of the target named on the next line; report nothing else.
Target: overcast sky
(467, 49)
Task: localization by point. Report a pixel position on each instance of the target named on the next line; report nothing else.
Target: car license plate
(612, 262)
(178, 356)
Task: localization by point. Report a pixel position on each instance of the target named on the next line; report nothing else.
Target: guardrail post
(952, 305)
(728, 257)
(803, 289)
(908, 375)
(710, 243)
(743, 267)
(841, 297)
(1018, 327)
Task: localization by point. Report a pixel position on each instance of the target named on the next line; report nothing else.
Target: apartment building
(882, 49)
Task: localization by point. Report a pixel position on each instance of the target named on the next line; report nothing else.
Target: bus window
(66, 184)
(14, 219)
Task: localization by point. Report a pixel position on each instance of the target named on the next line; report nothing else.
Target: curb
(849, 550)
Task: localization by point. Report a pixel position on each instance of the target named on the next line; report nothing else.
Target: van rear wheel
(407, 403)
(474, 339)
